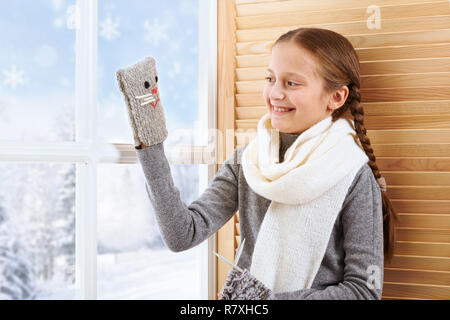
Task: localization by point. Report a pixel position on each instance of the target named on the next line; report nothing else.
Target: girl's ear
(338, 98)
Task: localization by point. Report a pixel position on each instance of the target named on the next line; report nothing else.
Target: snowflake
(156, 31)
(13, 77)
(109, 29)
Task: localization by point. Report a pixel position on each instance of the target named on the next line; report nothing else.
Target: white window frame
(87, 152)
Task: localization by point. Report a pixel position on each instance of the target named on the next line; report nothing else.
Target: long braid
(389, 215)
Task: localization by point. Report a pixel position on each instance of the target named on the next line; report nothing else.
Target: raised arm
(183, 227)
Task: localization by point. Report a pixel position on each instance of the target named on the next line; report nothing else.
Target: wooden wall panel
(405, 86)
(225, 120)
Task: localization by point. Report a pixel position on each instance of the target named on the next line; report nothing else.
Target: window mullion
(208, 114)
(85, 132)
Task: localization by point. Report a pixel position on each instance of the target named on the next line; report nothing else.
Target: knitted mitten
(139, 85)
(244, 286)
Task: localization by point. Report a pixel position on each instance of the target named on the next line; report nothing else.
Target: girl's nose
(276, 92)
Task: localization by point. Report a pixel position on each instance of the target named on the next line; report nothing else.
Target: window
(165, 30)
(132, 261)
(69, 177)
(37, 73)
(37, 230)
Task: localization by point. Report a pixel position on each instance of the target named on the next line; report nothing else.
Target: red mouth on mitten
(154, 104)
(155, 92)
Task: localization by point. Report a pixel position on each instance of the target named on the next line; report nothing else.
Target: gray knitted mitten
(244, 286)
(139, 85)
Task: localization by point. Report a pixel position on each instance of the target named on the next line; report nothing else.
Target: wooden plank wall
(226, 102)
(405, 85)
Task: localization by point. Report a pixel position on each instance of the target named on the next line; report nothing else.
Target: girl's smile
(281, 111)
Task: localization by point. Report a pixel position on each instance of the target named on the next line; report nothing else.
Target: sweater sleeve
(183, 227)
(363, 247)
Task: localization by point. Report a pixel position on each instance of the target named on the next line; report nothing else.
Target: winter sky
(37, 63)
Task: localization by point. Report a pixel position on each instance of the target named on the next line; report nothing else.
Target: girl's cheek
(266, 95)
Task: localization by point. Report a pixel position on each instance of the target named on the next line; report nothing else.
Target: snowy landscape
(37, 200)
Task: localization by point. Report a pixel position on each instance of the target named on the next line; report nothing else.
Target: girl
(312, 204)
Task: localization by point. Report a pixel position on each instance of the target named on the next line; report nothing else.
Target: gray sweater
(352, 267)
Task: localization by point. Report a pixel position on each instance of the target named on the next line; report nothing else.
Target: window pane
(37, 231)
(166, 30)
(37, 70)
(133, 262)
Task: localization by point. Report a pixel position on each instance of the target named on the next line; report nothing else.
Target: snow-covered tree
(38, 212)
(64, 124)
(17, 279)
(64, 224)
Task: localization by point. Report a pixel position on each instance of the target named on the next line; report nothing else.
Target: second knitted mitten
(139, 85)
(244, 286)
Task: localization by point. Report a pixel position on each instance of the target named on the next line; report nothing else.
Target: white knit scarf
(307, 191)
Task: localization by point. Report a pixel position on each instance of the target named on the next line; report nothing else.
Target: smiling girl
(295, 92)
(312, 205)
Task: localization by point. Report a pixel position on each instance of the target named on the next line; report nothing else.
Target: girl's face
(293, 85)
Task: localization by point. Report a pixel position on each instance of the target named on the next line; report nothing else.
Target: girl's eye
(289, 82)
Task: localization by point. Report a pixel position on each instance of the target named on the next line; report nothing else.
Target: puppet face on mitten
(151, 98)
(141, 81)
(139, 85)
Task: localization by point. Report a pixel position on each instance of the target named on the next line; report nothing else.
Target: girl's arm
(363, 247)
(183, 227)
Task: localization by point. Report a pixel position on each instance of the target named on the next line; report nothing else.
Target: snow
(145, 274)
(158, 274)
(133, 262)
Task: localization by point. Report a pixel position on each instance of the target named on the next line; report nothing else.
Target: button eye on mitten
(244, 286)
(139, 85)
